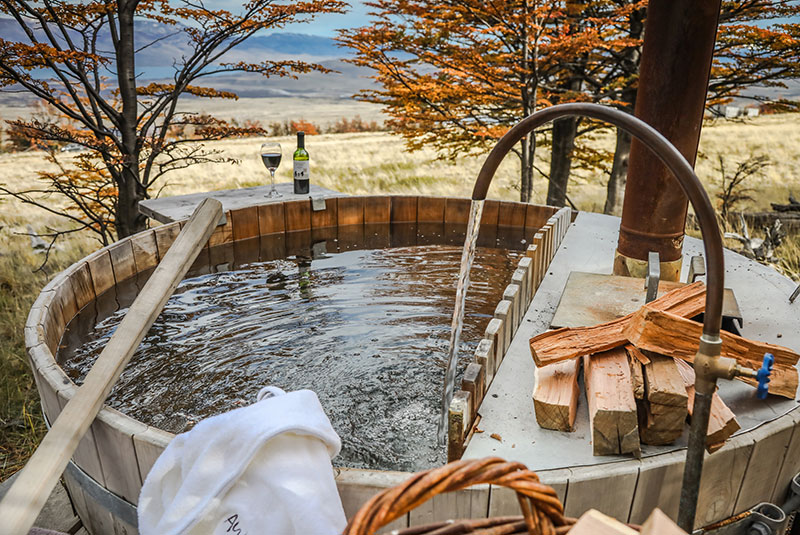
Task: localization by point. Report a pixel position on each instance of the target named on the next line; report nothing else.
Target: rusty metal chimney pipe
(673, 82)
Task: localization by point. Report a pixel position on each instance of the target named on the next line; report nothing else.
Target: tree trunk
(130, 190)
(619, 174)
(526, 160)
(564, 131)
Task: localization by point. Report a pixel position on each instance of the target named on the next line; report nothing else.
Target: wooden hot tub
(114, 457)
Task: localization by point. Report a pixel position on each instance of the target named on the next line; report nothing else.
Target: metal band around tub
(116, 505)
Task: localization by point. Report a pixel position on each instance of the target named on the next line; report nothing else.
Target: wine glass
(271, 156)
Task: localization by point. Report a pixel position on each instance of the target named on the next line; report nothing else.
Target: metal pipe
(673, 81)
(708, 364)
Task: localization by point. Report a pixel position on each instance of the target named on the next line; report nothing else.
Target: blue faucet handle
(762, 376)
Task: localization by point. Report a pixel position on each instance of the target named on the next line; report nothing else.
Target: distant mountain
(169, 44)
(161, 45)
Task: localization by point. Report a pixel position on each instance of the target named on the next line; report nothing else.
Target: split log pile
(638, 380)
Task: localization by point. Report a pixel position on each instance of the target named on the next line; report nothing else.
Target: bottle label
(301, 170)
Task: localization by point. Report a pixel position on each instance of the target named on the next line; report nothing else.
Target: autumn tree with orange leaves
(459, 74)
(456, 75)
(97, 103)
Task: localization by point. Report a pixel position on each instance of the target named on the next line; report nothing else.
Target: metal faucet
(708, 364)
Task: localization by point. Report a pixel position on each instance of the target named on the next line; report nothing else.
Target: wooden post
(29, 492)
(555, 395)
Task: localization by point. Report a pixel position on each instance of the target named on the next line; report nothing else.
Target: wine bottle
(300, 157)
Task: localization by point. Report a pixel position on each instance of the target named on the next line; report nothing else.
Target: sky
(325, 25)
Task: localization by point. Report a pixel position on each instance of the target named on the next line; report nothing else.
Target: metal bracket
(697, 268)
(795, 293)
(653, 276)
(317, 204)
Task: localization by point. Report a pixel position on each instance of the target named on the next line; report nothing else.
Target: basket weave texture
(542, 512)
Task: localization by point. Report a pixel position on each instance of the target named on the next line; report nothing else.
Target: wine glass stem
(272, 179)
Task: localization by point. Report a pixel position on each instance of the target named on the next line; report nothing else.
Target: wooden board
(326, 218)
(404, 209)
(491, 211)
(590, 489)
(722, 478)
(271, 218)
(484, 355)
(555, 395)
(351, 211)
(612, 407)
(145, 250)
(297, 215)
(430, 209)
(662, 332)
(659, 485)
(356, 487)
(245, 223)
(377, 209)
(474, 382)
(770, 442)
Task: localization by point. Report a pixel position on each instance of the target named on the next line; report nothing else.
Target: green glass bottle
(300, 157)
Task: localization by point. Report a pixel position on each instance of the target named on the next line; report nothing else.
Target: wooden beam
(721, 422)
(568, 343)
(662, 417)
(637, 373)
(30, 490)
(555, 395)
(665, 333)
(612, 407)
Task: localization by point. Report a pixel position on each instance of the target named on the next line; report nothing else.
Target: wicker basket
(542, 512)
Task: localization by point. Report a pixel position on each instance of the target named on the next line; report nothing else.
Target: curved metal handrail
(666, 152)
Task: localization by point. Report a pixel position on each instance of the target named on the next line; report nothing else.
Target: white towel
(261, 469)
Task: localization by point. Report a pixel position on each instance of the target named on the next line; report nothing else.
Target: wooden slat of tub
(245, 223)
(512, 214)
(356, 487)
(271, 218)
(102, 272)
(351, 210)
(53, 323)
(222, 234)
(76, 497)
(504, 311)
(113, 433)
(64, 299)
(536, 215)
(430, 209)
(124, 266)
(494, 332)
(491, 212)
(526, 265)
(540, 265)
(503, 501)
(472, 502)
(484, 355)
(47, 380)
(791, 461)
(456, 210)
(722, 477)
(589, 489)
(532, 252)
(659, 485)
(82, 287)
(99, 520)
(328, 217)
(221, 257)
(377, 209)
(123, 528)
(770, 442)
(85, 455)
(298, 215)
(145, 250)
(377, 236)
(149, 445)
(165, 235)
(404, 209)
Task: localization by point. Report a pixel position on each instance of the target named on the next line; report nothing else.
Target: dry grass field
(350, 163)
